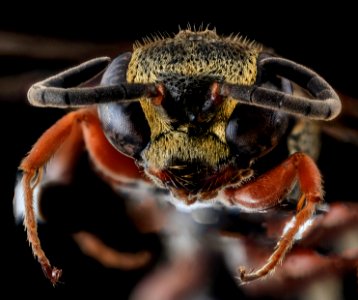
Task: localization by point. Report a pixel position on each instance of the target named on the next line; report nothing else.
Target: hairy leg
(268, 190)
(74, 127)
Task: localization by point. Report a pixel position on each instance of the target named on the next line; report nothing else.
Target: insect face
(199, 140)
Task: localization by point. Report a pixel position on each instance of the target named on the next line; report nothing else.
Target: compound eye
(125, 126)
(236, 134)
(252, 131)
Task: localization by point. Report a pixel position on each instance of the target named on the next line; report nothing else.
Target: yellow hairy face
(186, 66)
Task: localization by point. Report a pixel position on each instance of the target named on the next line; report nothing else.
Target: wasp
(194, 116)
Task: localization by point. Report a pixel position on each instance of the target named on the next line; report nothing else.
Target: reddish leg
(107, 256)
(268, 190)
(113, 164)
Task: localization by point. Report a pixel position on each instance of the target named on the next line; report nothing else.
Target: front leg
(269, 190)
(62, 138)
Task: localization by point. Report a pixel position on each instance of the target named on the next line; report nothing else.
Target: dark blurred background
(45, 41)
